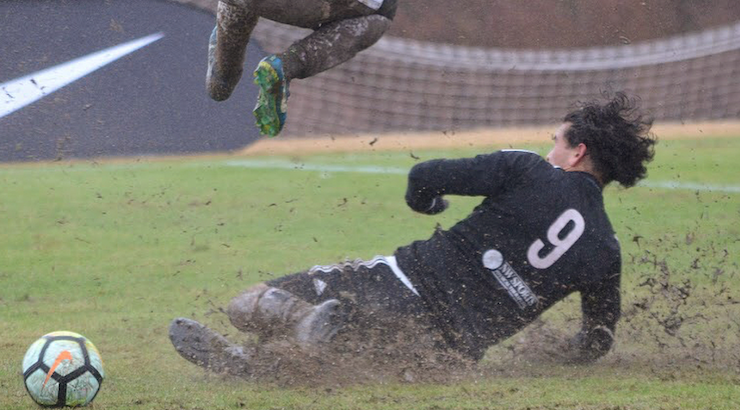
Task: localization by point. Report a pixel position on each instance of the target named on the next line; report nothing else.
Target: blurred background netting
(683, 60)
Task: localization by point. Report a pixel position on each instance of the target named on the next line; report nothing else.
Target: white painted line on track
(369, 169)
(18, 93)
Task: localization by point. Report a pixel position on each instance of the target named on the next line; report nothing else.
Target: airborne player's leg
(332, 44)
(342, 29)
(226, 49)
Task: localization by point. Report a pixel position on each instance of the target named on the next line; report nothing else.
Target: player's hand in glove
(587, 346)
(439, 204)
(426, 203)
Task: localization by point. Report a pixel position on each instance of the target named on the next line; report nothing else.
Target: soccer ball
(62, 369)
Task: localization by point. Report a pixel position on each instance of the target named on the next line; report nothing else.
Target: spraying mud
(673, 318)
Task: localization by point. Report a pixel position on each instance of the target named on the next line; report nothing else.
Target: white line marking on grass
(275, 164)
(369, 169)
(692, 186)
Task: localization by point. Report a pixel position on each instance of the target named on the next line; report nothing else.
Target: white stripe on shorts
(373, 4)
(390, 261)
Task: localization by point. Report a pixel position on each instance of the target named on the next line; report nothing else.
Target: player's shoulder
(529, 169)
(525, 159)
(523, 154)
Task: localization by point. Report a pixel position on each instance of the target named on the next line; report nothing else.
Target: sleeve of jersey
(600, 305)
(483, 175)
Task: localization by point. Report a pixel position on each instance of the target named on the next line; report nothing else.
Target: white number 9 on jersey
(561, 245)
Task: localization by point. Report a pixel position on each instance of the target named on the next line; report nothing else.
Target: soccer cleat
(272, 102)
(206, 348)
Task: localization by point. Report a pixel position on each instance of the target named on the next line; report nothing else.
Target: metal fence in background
(406, 85)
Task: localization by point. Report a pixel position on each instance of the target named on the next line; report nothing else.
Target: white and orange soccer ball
(62, 369)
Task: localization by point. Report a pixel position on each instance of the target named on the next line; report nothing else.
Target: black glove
(587, 346)
(439, 204)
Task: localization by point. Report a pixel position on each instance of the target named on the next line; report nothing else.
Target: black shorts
(370, 286)
(377, 301)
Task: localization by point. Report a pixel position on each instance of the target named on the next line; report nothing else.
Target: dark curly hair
(617, 137)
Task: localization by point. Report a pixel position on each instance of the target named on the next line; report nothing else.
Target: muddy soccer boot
(275, 313)
(272, 102)
(206, 348)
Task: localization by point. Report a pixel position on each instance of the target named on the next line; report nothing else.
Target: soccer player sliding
(539, 234)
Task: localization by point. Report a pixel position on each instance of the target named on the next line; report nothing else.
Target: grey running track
(149, 101)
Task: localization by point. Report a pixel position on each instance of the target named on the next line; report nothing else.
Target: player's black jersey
(540, 234)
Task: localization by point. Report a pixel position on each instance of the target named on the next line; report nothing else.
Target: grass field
(116, 250)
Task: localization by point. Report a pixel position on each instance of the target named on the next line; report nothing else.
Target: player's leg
(330, 45)
(271, 312)
(312, 14)
(267, 311)
(313, 306)
(227, 47)
(206, 348)
(371, 296)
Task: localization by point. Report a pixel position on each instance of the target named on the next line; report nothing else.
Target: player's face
(562, 154)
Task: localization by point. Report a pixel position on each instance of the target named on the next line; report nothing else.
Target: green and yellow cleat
(272, 102)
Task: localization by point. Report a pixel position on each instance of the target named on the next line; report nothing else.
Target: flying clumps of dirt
(672, 317)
